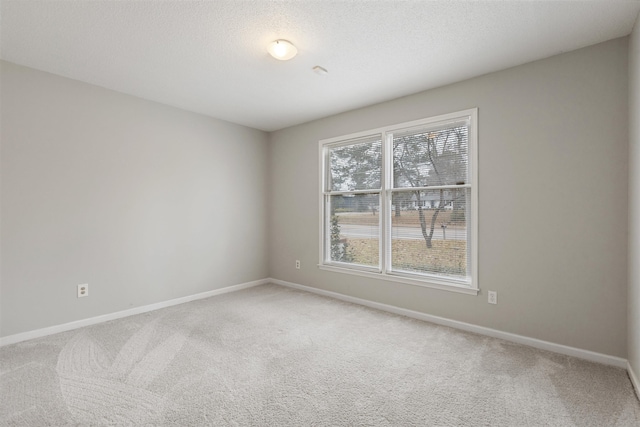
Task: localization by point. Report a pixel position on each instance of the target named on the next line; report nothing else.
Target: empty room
(328, 213)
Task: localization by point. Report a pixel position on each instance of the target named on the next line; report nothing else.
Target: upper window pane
(355, 166)
(431, 156)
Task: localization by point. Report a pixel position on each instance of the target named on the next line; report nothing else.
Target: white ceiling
(210, 56)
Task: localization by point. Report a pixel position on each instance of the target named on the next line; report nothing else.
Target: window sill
(427, 283)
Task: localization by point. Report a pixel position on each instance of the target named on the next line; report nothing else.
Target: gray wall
(553, 199)
(142, 201)
(634, 201)
(135, 198)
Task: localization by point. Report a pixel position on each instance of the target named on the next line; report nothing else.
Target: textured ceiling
(210, 56)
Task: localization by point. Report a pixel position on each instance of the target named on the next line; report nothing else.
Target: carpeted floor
(273, 356)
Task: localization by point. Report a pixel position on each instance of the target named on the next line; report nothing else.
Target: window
(400, 202)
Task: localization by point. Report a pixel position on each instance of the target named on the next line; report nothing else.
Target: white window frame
(468, 285)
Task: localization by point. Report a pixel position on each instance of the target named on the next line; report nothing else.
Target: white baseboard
(12, 339)
(507, 336)
(532, 342)
(634, 380)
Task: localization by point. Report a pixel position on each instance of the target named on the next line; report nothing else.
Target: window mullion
(385, 248)
(349, 192)
(383, 209)
(430, 188)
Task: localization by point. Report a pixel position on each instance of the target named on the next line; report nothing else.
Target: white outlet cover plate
(83, 290)
(493, 297)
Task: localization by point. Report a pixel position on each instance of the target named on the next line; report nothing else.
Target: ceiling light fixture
(282, 50)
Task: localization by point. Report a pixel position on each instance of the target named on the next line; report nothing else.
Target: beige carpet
(272, 356)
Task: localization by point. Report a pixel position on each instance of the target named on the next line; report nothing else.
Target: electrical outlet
(298, 264)
(493, 297)
(83, 290)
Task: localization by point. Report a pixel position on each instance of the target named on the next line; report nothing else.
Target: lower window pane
(429, 232)
(354, 229)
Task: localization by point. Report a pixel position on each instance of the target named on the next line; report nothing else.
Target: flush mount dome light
(282, 50)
